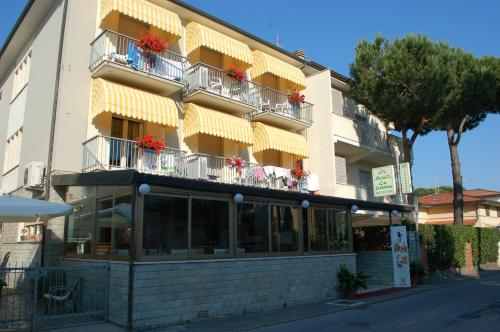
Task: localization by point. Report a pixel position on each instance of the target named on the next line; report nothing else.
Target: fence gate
(36, 298)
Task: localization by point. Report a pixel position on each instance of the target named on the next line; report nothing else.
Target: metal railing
(121, 50)
(103, 152)
(109, 153)
(214, 80)
(376, 139)
(35, 297)
(278, 103)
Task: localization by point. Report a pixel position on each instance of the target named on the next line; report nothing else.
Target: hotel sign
(405, 176)
(384, 183)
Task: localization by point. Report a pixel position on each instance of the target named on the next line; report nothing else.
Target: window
(253, 228)
(13, 151)
(31, 232)
(165, 226)
(122, 225)
(21, 75)
(209, 227)
(318, 230)
(487, 210)
(285, 223)
(364, 179)
(338, 230)
(104, 221)
(80, 229)
(498, 211)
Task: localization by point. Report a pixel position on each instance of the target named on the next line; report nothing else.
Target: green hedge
(446, 244)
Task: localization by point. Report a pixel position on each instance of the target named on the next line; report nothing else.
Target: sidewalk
(269, 318)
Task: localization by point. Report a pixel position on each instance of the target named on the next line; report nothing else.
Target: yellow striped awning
(198, 35)
(201, 120)
(264, 63)
(146, 12)
(137, 104)
(271, 138)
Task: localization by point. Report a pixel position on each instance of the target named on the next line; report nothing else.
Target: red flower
(151, 142)
(235, 73)
(151, 43)
(296, 97)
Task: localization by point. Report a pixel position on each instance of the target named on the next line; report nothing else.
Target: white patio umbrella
(15, 209)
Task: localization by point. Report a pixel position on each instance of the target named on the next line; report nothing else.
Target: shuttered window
(340, 170)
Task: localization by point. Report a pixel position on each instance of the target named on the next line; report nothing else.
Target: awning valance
(133, 103)
(271, 138)
(146, 12)
(264, 63)
(201, 120)
(198, 35)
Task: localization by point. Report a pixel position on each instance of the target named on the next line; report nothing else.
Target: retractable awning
(202, 120)
(272, 138)
(264, 63)
(15, 209)
(146, 12)
(137, 104)
(198, 35)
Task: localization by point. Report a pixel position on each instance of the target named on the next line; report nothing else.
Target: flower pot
(350, 294)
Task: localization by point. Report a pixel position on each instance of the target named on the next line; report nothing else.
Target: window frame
(328, 208)
(269, 243)
(12, 153)
(21, 82)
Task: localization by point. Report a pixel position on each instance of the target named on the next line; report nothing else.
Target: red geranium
(235, 73)
(151, 43)
(299, 173)
(296, 97)
(151, 142)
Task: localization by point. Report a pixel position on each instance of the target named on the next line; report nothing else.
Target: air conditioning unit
(33, 174)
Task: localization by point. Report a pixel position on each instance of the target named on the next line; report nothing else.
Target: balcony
(210, 86)
(109, 153)
(275, 109)
(114, 56)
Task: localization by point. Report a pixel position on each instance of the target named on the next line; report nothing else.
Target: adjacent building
(246, 205)
(481, 208)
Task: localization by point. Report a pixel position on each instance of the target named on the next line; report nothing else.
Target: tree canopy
(431, 191)
(401, 82)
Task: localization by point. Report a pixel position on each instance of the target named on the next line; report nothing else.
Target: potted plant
(236, 74)
(237, 163)
(349, 283)
(151, 43)
(417, 272)
(296, 97)
(151, 142)
(299, 175)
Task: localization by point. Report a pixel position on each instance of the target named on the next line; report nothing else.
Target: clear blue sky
(328, 32)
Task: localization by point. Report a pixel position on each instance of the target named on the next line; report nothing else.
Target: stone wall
(377, 265)
(167, 293)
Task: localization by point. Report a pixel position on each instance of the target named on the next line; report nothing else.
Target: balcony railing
(214, 80)
(121, 50)
(109, 153)
(276, 102)
(359, 192)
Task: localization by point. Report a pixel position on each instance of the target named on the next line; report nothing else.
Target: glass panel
(209, 227)
(305, 230)
(80, 229)
(117, 128)
(122, 225)
(165, 226)
(78, 193)
(338, 230)
(319, 240)
(371, 230)
(133, 130)
(253, 228)
(104, 219)
(285, 223)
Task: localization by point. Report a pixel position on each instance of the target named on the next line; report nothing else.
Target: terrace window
(285, 223)
(253, 228)
(209, 227)
(165, 226)
(80, 229)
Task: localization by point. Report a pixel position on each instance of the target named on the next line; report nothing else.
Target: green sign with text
(384, 183)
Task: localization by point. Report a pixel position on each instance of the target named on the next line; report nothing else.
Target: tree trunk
(407, 159)
(458, 192)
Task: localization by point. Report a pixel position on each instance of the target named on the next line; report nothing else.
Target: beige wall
(319, 135)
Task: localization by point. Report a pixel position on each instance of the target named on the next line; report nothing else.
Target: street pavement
(465, 306)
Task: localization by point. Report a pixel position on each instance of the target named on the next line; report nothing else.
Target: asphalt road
(469, 306)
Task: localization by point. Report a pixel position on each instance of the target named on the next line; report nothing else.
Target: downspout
(53, 122)
(132, 256)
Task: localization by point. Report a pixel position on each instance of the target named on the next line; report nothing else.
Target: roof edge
(18, 23)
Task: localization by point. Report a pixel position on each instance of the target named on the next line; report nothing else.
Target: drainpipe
(132, 257)
(53, 122)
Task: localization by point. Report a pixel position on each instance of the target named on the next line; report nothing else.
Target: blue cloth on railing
(133, 56)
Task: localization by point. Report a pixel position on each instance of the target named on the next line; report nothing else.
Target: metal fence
(214, 80)
(37, 297)
(122, 50)
(276, 102)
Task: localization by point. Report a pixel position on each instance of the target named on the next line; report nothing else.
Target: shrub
(446, 245)
(348, 280)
